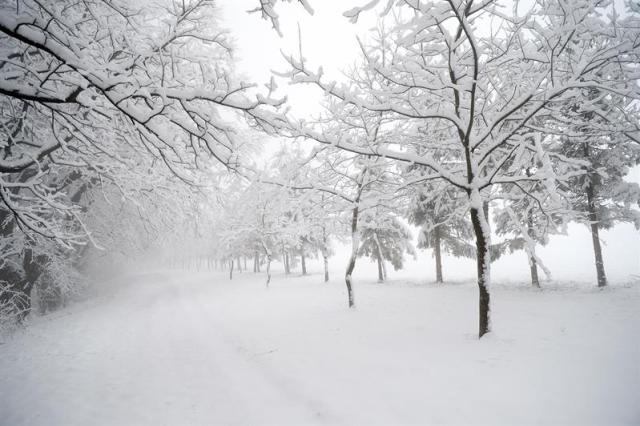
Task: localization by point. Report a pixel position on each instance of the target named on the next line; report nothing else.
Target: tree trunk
(287, 263)
(438, 254)
(268, 269)
(303, 263)
(285, 257)
(33, 268)
(533, 264)
(231, 269)
(380, 274)
(325, 254)
(531, 232)
(355, 243)
(326, 266)
(595, 237)
(483, 264)
(382, 271)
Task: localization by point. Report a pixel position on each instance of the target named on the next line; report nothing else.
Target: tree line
(459, 115)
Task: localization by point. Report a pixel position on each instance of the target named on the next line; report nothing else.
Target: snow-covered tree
(266, 8)
(96, 96)
(484, 81)
(440, 212)
(527, 216)
(601, 196)
(363, 182)
(79, 82)
(385, 237)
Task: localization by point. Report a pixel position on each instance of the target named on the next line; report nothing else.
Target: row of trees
(326, 195)
(112, 117)
(309, 202)
(534, 109)
(110, 110)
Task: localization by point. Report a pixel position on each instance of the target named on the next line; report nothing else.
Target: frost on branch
(268, 12)
(475, 108)
(107, 108)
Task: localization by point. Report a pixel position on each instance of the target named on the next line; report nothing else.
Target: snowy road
(169, 350)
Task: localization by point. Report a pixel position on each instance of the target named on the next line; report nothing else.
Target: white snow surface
(185, 348)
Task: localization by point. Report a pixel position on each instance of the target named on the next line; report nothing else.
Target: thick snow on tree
(99, 102)
(385, 237)
(527, 216)
(132, 165)
(592, 130)
(485, 82)
(79, 79)
(254, 221)
(267, 8)
(360, 184)
(281, 214)
(440, 213)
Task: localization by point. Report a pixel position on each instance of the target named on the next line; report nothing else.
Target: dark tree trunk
(438, 254)
(595, 236)
(255, 262)
(483, 262)
(380, 273)
(533, 264)
(355, 242)
(33, 268)
(231, 269)
(245, 263)
(15, 292)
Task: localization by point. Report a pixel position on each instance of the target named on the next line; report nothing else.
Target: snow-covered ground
(185, 348)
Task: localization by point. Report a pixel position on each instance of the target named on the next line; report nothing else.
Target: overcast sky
(329, 40)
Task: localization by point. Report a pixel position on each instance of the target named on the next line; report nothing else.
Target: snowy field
(186, 348)
(140, 137)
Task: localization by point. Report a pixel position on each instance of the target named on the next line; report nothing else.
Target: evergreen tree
(384, 237)
(439, 212)
(601, 196)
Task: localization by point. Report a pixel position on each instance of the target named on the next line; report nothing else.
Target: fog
(319, 212)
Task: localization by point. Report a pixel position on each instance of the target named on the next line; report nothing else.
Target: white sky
(329, 40)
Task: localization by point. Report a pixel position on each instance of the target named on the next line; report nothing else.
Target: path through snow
(166, 349)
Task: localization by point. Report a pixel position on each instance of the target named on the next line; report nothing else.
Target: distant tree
(593, 131)
(527, 216)
(440, 214)
(360, 183)
(384, 237)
